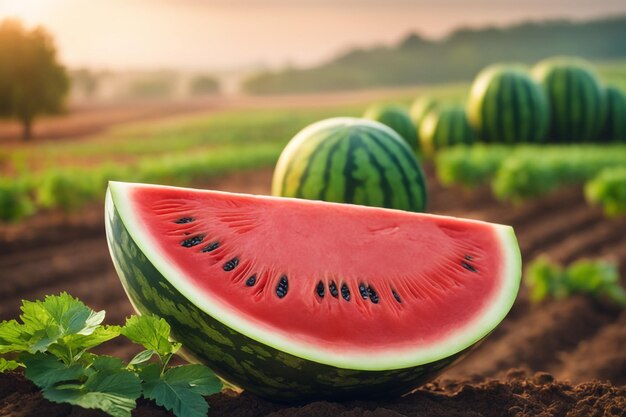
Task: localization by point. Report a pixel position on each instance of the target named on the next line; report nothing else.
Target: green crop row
(608, 189)
(525, 171)
(70, 188)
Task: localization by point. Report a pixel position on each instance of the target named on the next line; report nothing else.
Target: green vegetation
(608, 189)
(597, 278)
(32, 82)
(53, 343)
(460, 56)
(203, 85)
(518, 173)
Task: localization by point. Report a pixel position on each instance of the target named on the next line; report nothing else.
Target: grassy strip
(71, 188)
(525, 171)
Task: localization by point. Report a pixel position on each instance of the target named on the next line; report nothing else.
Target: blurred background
(207, 93)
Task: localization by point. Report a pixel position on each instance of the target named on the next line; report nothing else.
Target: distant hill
(458, 57)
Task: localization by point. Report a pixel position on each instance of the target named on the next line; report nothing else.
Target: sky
(233, 34)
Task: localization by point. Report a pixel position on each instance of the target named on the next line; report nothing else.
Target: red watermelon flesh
(345, 285)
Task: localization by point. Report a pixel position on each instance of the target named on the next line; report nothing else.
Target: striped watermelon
(397, 118)
(350, 160)
(615, 123)
(576, 99)
(444, 127)
(507, 105)
(420, 108)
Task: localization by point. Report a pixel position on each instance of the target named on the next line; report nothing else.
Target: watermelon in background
(576, 97)
(300, 300)
(445, 126)
(615, 123)
(397, 118)
(506, 105)
(351, 160)
(419, 109)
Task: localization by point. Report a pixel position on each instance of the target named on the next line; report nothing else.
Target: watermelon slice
(296, 299)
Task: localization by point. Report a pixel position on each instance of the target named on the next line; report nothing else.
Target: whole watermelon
(576, 97)
(351, 160)
(507, 105)
(397, 118)
(420, 108)
(445, 127)
(615, 123)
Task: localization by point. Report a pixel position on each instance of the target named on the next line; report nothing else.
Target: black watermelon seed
(251, 281)
(468, 267)
(469, 258)
(332, 287)
(184, 220)
(211, 247)
(396, 296)
(282, 287)
(363, 291)
(345, 292)
(320, 289)
(192, 241)
(230, 265)
(373, 295)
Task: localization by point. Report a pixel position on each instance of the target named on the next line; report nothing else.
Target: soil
(573, 352)
(518, 394)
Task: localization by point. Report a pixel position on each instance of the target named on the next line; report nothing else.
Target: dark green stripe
(568, 122)
(530, 133)
(385, 185)
(351, 182)
(501, 112)
(327, 166)
(583, 97)
(420, 181)
(514, 128)
(311, 162)
(403, 174)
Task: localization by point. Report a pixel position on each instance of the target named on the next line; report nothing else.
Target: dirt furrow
(600, 357)
(538, 340)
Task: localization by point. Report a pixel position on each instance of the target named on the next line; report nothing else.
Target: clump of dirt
(518, 394)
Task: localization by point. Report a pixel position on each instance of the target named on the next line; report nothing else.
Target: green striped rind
(395, 117)
(615, 123)
(576, 97)
(239, 359)
(420, 108)
(507, 105)
(349, 160)
(418, 111)
(445, 127)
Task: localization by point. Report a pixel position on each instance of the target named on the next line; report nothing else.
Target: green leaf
(181, 389)
(151, 332)
(78, 342)
(143, 356)
(46, 370)
(13, 338)
(113, 392)
(46, 322)
(6, 365)
(108, 363)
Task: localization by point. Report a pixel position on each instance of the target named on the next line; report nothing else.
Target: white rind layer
(496, 309)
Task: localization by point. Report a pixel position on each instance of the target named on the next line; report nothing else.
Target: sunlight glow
(27, 10)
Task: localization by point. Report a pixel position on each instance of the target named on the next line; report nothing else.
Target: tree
(32, 82)
(204, 85)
